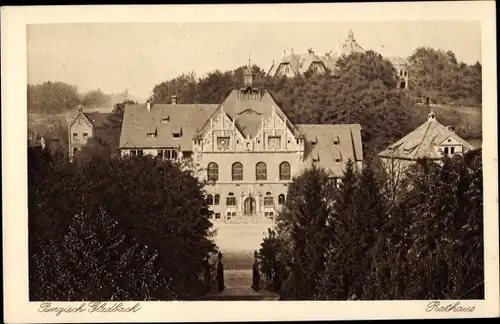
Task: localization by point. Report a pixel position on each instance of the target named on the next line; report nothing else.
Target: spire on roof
(350, 34)
(248, 79)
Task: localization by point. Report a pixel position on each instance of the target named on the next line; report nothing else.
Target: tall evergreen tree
(305, 214)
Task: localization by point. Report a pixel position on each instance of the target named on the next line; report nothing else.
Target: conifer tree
(305, 214)
(334, 281)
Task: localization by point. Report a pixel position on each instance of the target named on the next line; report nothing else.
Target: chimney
(174, 99)
(148, 105)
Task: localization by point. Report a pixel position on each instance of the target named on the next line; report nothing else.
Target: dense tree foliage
(303, 218)
(115, 229)
(212, 88)
(59, 97)
(52, 97)
(363, 91)
(426, 244)
(96, 99)
(438, 74)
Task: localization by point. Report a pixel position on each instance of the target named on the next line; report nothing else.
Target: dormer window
(151, 135)
(336, 141)
(177, 133)
(165, 119)
(314, 141)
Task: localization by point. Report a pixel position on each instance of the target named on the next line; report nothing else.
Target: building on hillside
(36, 140)
(401, 71)
(49, 142)
(246, 148)
(431, 140)
(297, 64)
(83, 127)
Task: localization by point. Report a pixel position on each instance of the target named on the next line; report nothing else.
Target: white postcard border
(17, 307)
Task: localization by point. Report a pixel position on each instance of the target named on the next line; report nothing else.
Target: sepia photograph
(268, 161)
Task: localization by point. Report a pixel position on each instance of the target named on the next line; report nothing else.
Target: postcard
(278, 162)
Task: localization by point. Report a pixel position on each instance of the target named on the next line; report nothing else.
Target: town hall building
(246, 148)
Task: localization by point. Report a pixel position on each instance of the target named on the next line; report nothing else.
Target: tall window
(210, 200)
(213, 172)
(281, 199)
(268, 200)
(261, 171)
(237, 171)
(230, 200)
(216, 199)
(285, 171)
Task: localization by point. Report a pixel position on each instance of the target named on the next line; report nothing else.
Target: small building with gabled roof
(83, 126)
(431, 140)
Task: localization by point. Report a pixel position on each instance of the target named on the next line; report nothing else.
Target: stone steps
(249, 220)
(238, 287)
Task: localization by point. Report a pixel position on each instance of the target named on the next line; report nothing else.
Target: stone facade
(82, 128)
(246, 148)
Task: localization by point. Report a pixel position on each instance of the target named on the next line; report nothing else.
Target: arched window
(230, 200)
(268, 200)
(216, 200)
(75, 150)
(213, 172)
(281, 199)
(261, 171)
(210, 200)
(237, 171)
(285, 171)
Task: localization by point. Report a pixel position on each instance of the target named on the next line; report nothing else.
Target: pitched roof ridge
(423, 137)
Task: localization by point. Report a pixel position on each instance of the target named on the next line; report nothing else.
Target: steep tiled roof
(97, 119)
(164, 120)
(349, 46)
(420, 143)
(248, 113)
(396, 60)
(332, 145)
(300, 63)
(97, 116)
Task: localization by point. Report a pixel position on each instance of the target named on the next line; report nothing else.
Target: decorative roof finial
(350, 34)
(249, 64)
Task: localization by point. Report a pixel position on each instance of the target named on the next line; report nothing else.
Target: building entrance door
(249, 206)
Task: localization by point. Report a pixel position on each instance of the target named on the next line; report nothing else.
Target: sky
(137, 56)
